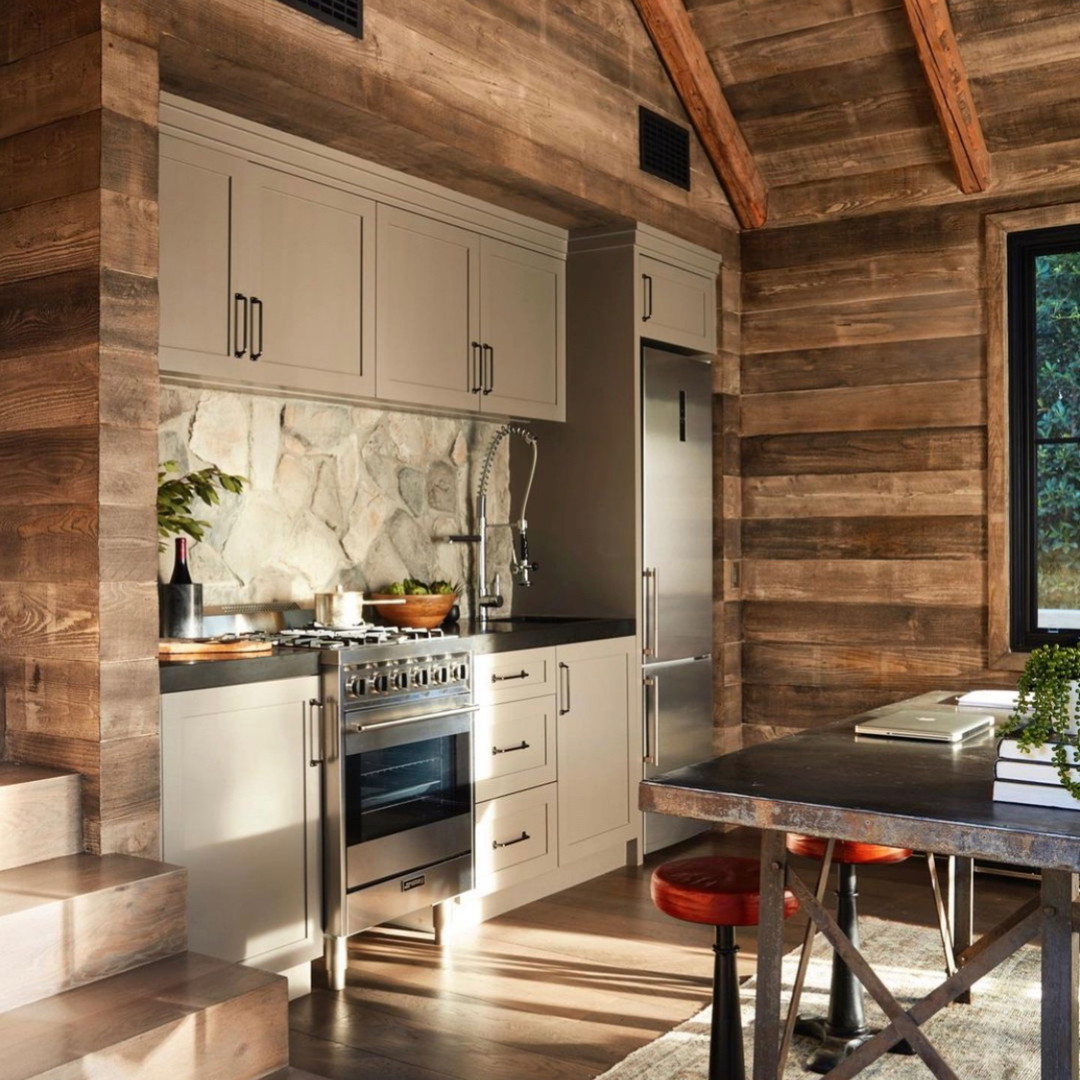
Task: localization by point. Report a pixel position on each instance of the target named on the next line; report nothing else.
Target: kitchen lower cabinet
(597, 769)
(265, 276)
(556, 765)
(240, 809)
(677, 306)
(466, 321)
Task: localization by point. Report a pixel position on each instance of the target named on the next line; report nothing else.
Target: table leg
(962, 893)
(770, 955)
(1060, 1014)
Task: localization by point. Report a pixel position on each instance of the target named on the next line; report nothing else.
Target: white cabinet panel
(523, 322)
(596, 791)
(514, 746)
(515, 838)
(307, 251)
(427, 311)
(678, 307)
(240, 810)
(195, 198)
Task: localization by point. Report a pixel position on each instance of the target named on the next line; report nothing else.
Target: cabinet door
(240, 810)
(596, 793)
(678, 307)
(523, 326)
(196, 194)
(427, 311)
(305, 257)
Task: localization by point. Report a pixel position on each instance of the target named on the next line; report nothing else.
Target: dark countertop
(500, 635)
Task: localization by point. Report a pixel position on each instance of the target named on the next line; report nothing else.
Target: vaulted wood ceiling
(838, 110)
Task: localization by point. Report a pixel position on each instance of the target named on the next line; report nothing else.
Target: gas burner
(327, 637)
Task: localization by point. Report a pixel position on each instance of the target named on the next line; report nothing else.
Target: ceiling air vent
(347, 15)
(664, 148)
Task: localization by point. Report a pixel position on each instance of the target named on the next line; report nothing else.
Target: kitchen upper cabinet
(263, 274)
(678, 306)
(427, 311)
(466, 321)
(596, 767)
(240, 809)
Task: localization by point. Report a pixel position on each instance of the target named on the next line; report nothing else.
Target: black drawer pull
(522, 674)
(496, 844)
(523, 745)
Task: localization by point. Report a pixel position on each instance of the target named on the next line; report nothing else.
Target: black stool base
(834, 1046)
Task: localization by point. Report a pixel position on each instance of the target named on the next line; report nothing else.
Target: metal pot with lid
(343, 608)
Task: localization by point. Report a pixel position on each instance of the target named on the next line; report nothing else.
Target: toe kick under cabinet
(555, 765)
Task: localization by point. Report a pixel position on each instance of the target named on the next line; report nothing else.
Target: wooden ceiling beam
(939, 54)
(695, 82)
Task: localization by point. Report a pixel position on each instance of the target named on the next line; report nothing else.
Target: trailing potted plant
(180, 599)
(1045, 713)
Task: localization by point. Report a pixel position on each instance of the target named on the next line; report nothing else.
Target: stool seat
(714, 890)
(850, 852)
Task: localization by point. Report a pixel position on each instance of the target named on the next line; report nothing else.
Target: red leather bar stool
(844, 1026)
(722, 892)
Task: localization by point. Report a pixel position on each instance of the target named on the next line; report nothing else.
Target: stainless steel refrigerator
(677, 507)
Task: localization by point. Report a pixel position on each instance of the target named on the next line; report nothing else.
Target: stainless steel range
(397, 782)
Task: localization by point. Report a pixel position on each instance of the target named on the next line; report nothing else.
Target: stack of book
(1032, 777)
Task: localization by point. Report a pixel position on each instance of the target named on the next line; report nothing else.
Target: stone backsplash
(336, 495)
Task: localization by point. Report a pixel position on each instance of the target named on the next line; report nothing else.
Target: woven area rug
(994, 1038)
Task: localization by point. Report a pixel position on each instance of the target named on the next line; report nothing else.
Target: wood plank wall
(864, 464)
(78, 411)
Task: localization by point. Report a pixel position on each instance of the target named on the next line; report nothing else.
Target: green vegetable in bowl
(396, 589)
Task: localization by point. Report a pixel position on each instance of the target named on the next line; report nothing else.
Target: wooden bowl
(423, 611)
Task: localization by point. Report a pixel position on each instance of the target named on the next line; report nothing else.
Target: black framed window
(1044, 435)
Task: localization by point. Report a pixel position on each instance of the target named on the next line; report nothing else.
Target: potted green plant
(180, 599)
(1045, 713)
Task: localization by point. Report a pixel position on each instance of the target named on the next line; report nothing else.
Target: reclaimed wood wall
(78, 412)
(864, 459)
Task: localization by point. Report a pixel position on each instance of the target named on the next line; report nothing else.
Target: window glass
(1044, 347)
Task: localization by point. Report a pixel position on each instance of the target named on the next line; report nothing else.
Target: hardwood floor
(560, 989)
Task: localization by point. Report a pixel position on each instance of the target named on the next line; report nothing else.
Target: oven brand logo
(413, 882)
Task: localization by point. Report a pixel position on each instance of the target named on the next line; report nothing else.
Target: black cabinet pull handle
(522, 674)
(564, 674)
(647, 282)
(240, 319)
(489, 384)
(256, 353)
(476, 371)
(496, 844)
(523, 745)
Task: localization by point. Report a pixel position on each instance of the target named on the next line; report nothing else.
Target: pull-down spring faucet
(487, 595)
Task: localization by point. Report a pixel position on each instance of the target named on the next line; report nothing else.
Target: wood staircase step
(65, 922)
(40, 814)
(189, 1017)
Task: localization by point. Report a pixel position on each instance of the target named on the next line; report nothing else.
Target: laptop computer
(938, 725)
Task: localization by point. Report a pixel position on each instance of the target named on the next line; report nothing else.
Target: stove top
(326, 637)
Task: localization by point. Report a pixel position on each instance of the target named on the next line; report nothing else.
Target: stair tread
(13, 773)
(67, 1027)
(67, 876)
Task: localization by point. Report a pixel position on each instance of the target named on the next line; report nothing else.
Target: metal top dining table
(928, 796)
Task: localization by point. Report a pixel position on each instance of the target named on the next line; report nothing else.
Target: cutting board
(190, 649)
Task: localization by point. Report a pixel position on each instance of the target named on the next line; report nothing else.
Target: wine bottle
(181, 575)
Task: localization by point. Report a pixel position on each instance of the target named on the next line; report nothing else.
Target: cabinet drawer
(514, 746)
(515, 838)
(515, 675)
(678, 306)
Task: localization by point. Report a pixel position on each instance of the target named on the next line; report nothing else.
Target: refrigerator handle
(651, 732)
(651, 639)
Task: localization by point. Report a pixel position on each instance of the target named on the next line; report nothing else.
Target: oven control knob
(357, 686)
(401, 680)
(382, 684)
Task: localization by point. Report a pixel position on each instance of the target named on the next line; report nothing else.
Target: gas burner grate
(325, 637)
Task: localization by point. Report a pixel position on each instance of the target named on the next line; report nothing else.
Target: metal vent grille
(347, 15)
(664, 148)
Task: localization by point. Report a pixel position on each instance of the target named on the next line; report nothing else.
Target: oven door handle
(363, 729)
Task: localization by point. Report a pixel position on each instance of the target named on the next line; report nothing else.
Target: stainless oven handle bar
(359, 729)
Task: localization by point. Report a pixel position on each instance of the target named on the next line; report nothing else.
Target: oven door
(407, 788)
